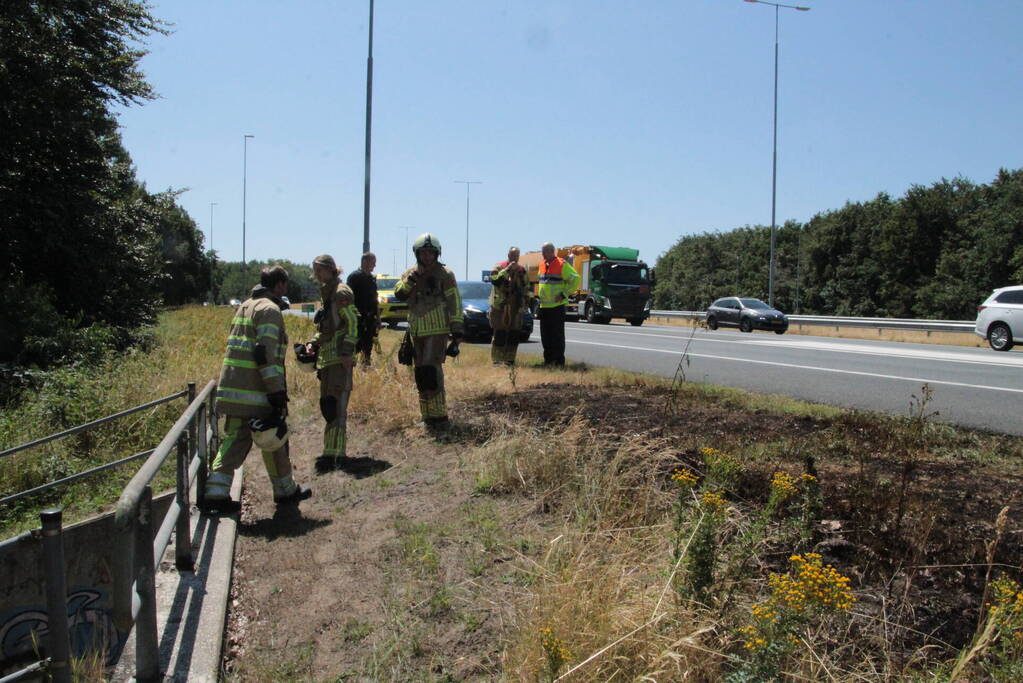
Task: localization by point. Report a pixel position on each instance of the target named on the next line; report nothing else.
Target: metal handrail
(842, 321)
(67, 480)
(134, 575)
(94, 423)
(192, 434)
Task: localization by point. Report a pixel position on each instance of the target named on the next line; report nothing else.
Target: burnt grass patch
(908, 505)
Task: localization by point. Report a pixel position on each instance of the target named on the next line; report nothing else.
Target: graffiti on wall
(23, 631)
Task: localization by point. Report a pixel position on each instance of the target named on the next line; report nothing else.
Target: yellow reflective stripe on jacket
(434, 321)
(240, 363)
(243, 396)
(268, 330)
(454, 301)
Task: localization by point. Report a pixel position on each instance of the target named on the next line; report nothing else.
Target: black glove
(452, 349)
(278, 400)
(318, 316)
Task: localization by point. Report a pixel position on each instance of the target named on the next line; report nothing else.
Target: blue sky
(587, 121)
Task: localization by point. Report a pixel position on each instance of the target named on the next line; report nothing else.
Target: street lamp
(212, 204)
(245, 185)
(406, 228)
(467, 184)
(774, 159)
(369, 121)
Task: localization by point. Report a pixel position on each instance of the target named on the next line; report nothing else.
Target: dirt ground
(398, 570)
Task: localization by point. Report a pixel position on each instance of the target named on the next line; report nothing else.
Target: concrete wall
(88, 547)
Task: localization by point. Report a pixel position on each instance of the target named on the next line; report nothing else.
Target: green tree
(78, 236)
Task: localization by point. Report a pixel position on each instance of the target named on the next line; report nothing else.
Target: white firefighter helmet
(269, 433)
(426, 241)
(306, 361)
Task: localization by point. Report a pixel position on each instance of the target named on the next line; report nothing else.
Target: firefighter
(558, 280)
(252, 395)
(434, 314)
(334, 345)
(507, 301)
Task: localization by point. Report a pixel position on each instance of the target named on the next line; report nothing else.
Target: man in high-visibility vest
(253, 394)
(558, 280)
(434, 314)
(507, 301)
(337, 332)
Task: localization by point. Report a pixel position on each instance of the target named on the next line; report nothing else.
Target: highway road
(972, 387)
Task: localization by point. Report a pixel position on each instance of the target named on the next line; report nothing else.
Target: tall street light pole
(245, 186)
(406, 228)
(212, 204)
(369, 122)
(774, 159)
(467, 184)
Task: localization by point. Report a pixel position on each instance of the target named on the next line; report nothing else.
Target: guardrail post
(56, 596)
(147, 650)
(183, 530)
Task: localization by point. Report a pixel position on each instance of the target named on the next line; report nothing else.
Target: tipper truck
(613, 282)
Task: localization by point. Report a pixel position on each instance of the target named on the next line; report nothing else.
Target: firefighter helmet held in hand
(306, 361)
(426, 241)
(269, 433)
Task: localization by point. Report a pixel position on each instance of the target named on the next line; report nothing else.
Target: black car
(475, 305)
(746, 314)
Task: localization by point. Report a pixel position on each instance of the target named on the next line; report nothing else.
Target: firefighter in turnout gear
(507, 301)
(434, 314)
(253, 394)
(337, 326)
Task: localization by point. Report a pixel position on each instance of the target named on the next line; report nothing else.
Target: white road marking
(810, 367)
(875, 349)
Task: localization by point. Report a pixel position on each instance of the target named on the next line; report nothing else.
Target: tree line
(934, 253)
(88, 255)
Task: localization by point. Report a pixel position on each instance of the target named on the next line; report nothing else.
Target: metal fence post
(56, 596)
(193, 426)
(183, 529)
(203, 452)
(147, 651)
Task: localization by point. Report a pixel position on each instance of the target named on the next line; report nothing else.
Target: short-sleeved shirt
(364, 287)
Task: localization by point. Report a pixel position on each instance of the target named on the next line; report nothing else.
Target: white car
(1000, 318)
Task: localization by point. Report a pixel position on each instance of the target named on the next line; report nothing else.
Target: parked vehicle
(613, 282)
(392, 311)
(746, 314)
(476, 305)
(1000, 318)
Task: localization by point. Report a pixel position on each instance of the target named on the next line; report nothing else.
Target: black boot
(299, 494)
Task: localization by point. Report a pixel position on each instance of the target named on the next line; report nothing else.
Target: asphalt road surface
(971, 387)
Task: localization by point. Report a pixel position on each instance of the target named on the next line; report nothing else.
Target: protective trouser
(428, 367)
(552, 335)
(505, 346)
(367, 333)
(235, 444)
(335, 390)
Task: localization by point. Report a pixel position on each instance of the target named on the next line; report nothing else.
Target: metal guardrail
(838, 321)
(135, 567)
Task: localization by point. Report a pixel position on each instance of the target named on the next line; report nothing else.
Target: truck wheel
(745, 325)
(590, 318)
(636, 322)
